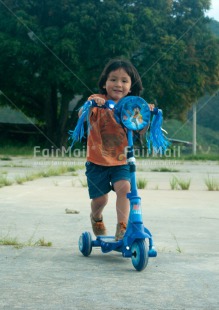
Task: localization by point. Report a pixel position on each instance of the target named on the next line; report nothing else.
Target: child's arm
(98, 99)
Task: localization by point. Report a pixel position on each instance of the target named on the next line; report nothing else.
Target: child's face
(118, 85)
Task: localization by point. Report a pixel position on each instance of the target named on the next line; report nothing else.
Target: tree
(53, 50)
(36, 43)
(180, 57)
(214, 26)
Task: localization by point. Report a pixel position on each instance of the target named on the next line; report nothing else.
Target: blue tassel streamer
(156, 138)
(78, 133)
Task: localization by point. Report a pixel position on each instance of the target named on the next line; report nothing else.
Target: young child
(106, 166)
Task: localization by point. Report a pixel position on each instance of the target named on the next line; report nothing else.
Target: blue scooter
(134, 114)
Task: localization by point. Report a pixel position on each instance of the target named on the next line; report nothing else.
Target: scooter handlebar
(155, 111)
(109, 104)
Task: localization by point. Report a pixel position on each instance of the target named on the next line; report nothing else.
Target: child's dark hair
(126, 65)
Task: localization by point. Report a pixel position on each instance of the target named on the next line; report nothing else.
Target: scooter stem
(135, 200)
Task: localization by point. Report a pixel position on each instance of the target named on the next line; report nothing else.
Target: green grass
(184, 184)
(178, 249)
(52, 171)
(83, 183)
(9, 241)
(200, 157)
(74, 174)
(212, 184)
(4, 181)
(6, 158)
(13, 241)
(10, 150)
(164, 169)
(20, 180)
(142, 183)
(42, 242)
(176, 184)
(207, 139)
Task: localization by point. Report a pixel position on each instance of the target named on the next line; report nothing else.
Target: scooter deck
(107, 243)
(108, 239)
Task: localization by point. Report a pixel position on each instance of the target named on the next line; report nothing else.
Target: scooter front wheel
(85, 243)
(139, 254)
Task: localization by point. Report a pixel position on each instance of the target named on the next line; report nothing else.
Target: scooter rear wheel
(85, 243)
(139, 254)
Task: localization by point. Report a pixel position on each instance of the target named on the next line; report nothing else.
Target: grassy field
(207, 139)
(180, 152)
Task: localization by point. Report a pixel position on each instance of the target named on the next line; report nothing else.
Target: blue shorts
(100, 179)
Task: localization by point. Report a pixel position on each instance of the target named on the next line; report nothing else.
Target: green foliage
(207, 139)
(51, 51)
(180, 58)
(207, 110)
(214, 26)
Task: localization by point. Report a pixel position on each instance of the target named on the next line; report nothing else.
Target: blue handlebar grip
(109, 104)
(155, 111)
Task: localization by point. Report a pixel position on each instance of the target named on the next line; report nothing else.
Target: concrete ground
(184, 224)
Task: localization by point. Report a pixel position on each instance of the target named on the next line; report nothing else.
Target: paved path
(185, 274)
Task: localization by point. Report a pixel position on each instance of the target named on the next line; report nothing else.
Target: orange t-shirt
(107, 141)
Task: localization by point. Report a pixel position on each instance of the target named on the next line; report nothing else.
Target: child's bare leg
(122, 202)
(97, 206)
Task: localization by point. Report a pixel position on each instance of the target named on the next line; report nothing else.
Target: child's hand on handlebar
(99, 101)
(151, 106)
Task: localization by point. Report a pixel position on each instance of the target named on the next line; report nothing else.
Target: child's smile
(118, 85)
